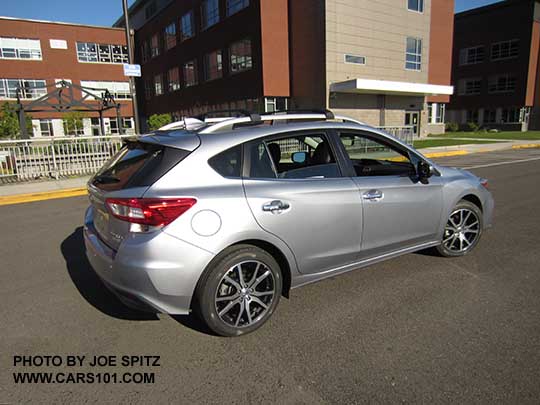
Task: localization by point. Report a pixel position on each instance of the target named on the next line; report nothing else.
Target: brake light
(149, 211)
(485, 183)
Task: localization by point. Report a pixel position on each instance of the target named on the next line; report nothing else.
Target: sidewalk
(44, 190)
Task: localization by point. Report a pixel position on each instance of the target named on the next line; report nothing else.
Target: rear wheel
(462, 231)
(240, 291)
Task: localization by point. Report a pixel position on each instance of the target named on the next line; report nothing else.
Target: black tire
(454, 250)
(213, 291)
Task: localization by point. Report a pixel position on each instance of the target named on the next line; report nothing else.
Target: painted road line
(48, 195)
(527, 146)
(502, 163)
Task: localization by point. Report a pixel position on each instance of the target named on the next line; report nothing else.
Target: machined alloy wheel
(245, 293)
(239, 290)
(462, 231)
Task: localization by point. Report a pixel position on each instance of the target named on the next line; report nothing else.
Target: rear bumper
(156, 269)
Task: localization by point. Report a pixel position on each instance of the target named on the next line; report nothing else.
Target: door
(305, 201)
(412, 118)
(398, 210)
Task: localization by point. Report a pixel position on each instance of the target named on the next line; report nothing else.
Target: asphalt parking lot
(418, 328)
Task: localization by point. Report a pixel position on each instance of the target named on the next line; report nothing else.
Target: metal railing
(38, 158)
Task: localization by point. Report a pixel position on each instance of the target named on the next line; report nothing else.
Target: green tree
(9, 122)
(156, 121)
(73, 123)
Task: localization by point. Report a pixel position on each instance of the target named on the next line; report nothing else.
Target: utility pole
(131, 58)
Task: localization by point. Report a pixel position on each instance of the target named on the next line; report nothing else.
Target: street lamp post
(131, 58)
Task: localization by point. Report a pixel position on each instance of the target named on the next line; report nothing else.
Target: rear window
(137, 164)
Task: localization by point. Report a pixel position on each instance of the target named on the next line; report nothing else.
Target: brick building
(496, 66)
(34, 54)
(386, 63)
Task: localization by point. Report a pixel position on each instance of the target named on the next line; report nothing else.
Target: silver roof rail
(228, 124)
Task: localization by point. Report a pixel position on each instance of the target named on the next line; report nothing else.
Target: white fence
(38, 158)
(22, 160)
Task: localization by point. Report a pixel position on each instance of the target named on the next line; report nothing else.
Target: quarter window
(413, 54)
(213, 66)
(240, 54)
(371, 157)
(187, 29)
(209, 13)
(228, 163)
(293, 157)
(416, 5)
(170, 36)
(234, 6)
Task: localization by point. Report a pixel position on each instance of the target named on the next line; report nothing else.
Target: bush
(156, 121)
(452, 127)
(471, 127)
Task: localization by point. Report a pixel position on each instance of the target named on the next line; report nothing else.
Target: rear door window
(137, 164)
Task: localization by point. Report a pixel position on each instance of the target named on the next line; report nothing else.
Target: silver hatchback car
(224, 216)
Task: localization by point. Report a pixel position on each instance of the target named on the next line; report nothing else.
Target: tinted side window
(294, 157)
(371, 157)
(228, 163)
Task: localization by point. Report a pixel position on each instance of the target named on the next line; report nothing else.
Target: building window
(472, 116)
(416, 5)
(413, 54)
(148, 93)
(187, 26)
(30, 88)
(154, 46)
(173, 79)
(73, 127)
(46, 127)
(189, 71)
(102, 53)
(502, 84)
(469, 87)
(213, 66)
(209, 13)
(471, 56)
(145, 51)
(240, 54)
(119, 90)
(158, 85)
(354, 59)
(490, 116)
(505, 50)
(511, 115)
(273, 104)
(17, 48)
(436, 113)
(234, 6)
(170, 36)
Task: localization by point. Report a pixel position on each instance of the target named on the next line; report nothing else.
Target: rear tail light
(485, 183)
(149, 211)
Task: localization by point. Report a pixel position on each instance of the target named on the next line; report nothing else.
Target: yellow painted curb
(445, 154)
(47, 195)
(527, 146)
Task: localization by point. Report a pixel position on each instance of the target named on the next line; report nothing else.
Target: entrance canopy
(369, 86)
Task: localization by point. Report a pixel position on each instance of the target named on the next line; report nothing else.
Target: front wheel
(240, 291)
(462, 231)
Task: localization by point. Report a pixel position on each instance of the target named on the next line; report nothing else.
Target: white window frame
(21, 46)
(440, 112)
(49, 130)
(240, 63)
(119, 90)
(416, 54)
(117, 53)
(28, 90)
(419, 10)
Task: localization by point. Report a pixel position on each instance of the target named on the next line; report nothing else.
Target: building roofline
(120, 21)
(60, 23)
(489, 7)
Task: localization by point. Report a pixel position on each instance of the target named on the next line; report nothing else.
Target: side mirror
(299, 157)
(424, 172)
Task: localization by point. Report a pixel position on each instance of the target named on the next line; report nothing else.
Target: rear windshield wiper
(106, 179)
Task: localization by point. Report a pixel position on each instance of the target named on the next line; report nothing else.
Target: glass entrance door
(412, 118)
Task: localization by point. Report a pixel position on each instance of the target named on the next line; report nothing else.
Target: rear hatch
(137, 166)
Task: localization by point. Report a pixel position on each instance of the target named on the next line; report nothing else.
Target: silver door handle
(275, 206)
(373, 195)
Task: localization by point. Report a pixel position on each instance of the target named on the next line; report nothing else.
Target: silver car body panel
(328, 228)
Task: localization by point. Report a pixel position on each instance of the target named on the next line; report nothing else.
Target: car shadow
(432, 252)
(89, 284)
(193, 322)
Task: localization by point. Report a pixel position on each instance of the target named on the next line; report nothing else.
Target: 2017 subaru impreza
(224, 217)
